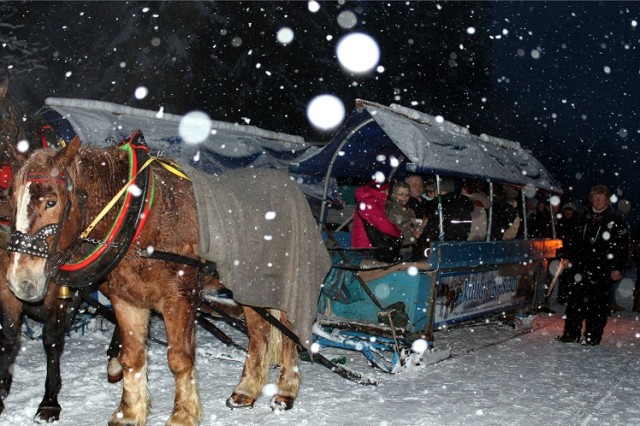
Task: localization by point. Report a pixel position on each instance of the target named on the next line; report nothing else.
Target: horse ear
(4, 86)
(68, 153)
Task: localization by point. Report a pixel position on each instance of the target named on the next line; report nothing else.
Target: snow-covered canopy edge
(136, 112)
(424, 118)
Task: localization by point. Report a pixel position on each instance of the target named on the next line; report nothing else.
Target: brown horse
(16, 127)
(57, 192)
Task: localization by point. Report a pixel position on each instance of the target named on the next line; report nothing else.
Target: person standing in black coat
(600, 258)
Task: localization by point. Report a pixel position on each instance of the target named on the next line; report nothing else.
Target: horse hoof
(48, 414)
(114, 379)
(114, 370)
(238, 400)
(281, 403)
(119, 420)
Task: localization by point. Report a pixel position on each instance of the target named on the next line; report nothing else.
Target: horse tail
(275, 340)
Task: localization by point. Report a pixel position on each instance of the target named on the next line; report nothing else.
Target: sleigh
(388, 312)
(383, 310)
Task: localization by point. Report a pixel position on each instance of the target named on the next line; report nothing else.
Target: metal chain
(97, 242)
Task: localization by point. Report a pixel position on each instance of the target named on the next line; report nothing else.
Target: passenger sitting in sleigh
(371, 226)
(456, 211)
(403, 216)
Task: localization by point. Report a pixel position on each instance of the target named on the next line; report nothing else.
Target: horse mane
(99, 171)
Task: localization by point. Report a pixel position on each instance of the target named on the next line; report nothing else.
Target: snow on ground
(496, 375)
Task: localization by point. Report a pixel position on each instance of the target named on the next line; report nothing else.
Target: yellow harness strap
(167, 164)
(173, 167)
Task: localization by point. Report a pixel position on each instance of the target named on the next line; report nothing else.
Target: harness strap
(172, 166)
(232, 321)
(114, 200)
(219, 334)
(206, 267)
(169, 165)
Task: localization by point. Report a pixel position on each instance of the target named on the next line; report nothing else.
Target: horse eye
(51, 203)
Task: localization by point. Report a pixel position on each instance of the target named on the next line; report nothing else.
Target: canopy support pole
(490, 221)
(440, 209)
(524, 215)
(553, 221)
(325, 190)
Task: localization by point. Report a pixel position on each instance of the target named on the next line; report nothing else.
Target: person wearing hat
(371, 201)
(568, 230)
(598, 261)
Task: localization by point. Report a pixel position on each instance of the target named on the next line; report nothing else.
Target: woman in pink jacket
(371, 202)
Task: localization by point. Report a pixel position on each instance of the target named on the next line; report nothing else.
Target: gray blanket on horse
(256, 224)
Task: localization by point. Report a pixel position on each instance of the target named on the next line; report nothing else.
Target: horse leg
(255, 373)
(114, 368)
(53, 341)
(10, 328)
(179, 320)
(288, 380)
(134, 327)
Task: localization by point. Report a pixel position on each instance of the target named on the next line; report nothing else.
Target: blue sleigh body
(460, 281)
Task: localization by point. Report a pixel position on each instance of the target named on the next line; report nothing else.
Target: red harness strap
(5, 177)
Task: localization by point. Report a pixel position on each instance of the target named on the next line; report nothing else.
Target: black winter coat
(569, 230)
(602, 245)
(457, 211)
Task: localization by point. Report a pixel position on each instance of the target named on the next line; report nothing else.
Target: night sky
(583, 86)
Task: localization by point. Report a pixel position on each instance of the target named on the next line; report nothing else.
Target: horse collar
(110, 249)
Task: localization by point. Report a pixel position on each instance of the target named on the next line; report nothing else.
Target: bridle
(36, 245)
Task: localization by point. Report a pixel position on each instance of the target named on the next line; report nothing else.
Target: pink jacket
(370, 206)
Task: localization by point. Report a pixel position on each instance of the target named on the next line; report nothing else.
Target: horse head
(44, 220)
